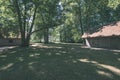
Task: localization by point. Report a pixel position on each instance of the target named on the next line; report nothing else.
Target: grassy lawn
(59, 62)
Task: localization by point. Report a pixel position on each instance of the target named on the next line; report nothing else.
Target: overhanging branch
(42, 28)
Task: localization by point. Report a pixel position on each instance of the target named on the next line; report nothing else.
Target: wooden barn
(106, 37)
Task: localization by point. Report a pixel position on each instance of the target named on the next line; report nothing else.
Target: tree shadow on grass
(59, 62)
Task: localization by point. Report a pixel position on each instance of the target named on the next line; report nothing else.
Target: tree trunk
(25, 42)
(46, 36)
(80, 18)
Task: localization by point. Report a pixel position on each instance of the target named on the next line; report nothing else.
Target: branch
(24, 23)
(31, 27)
(42, 28)
(19, 15)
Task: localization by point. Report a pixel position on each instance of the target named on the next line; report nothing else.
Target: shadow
(59, 62)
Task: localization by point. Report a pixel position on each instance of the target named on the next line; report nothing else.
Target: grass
(59, 62)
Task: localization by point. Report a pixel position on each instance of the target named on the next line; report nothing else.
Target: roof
(106, 31)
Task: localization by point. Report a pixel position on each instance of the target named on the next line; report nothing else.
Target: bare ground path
(6, 48)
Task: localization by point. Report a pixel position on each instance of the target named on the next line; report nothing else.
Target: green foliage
(116, 13)
(84, 15)
(46, 19)
(8, 21)
(61, 20)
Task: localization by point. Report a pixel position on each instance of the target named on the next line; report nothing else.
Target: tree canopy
(55, 20)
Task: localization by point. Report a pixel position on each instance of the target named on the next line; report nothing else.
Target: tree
(8, 21)
(70, 17)
(48, 17)
(26, 11)
(116, 13)
(71, 29)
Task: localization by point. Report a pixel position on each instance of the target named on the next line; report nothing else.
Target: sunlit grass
(59, 62)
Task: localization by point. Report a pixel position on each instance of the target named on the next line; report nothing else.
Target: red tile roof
(105, 31)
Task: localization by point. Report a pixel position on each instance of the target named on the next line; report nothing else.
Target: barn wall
(10, 42)
(104, 42)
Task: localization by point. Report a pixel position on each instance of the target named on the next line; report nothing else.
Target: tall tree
(8, 21)
(26, 12)
(48, 17)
